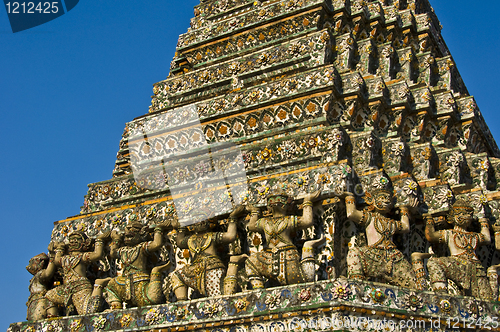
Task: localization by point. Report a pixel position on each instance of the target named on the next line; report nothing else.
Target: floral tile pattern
(322, 297)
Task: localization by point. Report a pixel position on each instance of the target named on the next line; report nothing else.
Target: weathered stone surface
(329, 95)
(286, 307)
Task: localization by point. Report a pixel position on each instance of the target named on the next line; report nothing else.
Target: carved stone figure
(493, 270)
(463, 266)
(207, 273)
(138, 285)
(76, 289)
(43, 271)
(380, 259)
(280, 260)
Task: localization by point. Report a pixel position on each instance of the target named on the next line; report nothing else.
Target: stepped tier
(339, 305)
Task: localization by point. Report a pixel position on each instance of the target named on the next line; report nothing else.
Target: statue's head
(38, 263)
(78, 241)
(461, 214)
(380, 199)
(278, 199)
(135, 232)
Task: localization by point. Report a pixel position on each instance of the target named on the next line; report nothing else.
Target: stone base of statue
(338, 305)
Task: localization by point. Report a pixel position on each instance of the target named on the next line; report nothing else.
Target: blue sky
(68, 87)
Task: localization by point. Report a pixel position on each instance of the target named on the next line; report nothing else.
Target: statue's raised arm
(77, 289)
(280, 260)
(462, 266)
(207, 273)
(137, 286)
(42, 268)
(380, 259)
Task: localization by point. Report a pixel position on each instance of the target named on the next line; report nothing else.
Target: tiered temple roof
(336, 95)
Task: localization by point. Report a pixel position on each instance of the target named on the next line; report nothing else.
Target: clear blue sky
(68, 87)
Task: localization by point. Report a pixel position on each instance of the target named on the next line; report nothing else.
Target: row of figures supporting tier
(61, 285)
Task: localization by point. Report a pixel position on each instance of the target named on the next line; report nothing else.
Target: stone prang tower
(299, 96)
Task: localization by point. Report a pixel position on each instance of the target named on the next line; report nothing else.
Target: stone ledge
(284, 306)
